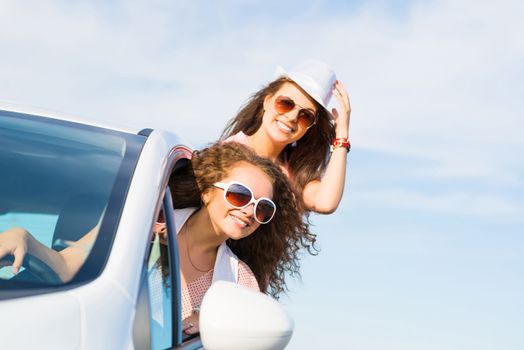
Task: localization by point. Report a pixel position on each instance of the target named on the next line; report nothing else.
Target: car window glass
(158, 280)
(60, 180)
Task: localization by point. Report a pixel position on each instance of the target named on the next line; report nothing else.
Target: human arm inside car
(18, 242)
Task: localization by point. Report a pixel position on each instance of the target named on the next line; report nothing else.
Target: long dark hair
(308, 159)
(272, 251)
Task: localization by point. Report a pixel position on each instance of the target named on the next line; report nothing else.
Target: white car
(60, 176)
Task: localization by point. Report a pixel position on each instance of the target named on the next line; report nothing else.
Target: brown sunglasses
(306, 118)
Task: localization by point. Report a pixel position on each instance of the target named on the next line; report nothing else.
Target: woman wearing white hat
(288, 121)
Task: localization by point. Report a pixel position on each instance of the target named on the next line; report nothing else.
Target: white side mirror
(234, 317)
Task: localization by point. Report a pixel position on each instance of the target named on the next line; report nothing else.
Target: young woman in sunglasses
(288, 121)
(238, 222)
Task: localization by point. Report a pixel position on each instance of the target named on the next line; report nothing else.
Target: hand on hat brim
(341, 118)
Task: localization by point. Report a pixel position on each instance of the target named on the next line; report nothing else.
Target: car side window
(162, 283)
(154, 321)
(160, 294)
(158, 322)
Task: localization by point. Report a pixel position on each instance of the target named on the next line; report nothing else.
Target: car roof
(108, 124)
(169, 136)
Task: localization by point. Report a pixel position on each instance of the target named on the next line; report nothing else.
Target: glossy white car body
(101, 313)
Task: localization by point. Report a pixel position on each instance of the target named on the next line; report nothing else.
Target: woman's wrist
(342, 128)
(340, 143)
(342, 135)
(342, 131)
(20, 232)
(25, 236)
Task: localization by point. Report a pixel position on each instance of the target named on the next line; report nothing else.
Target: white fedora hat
(315, 77)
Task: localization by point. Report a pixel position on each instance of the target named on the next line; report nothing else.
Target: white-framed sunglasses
(239, 196)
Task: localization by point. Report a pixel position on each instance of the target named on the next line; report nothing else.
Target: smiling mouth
(285, 127)
(239, 221)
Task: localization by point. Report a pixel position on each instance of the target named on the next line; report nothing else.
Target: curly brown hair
(308, 159)
(272, 251)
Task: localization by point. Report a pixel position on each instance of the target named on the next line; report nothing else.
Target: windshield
(59, 181)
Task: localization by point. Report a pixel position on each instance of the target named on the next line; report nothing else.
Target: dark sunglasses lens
(284, 104)
(265, 211)
(238, 195)
(306, 118)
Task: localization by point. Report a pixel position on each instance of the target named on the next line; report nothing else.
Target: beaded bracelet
(340, 142)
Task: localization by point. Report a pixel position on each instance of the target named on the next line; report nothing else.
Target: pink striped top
(193, 294)
(239, 137)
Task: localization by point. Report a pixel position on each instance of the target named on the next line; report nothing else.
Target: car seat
(80, 213)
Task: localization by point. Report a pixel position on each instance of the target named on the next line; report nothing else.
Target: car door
(158, 313)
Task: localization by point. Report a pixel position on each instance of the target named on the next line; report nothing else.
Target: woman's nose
(292, 115)
(249, 211)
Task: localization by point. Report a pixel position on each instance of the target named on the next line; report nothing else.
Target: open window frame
(143, 334)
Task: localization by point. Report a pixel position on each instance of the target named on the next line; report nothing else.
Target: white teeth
(238, 220)
(284, 126)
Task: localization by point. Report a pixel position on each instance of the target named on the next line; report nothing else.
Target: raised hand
(341, 116)
(160, 229)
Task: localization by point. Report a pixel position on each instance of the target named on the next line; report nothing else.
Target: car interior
(55, 184)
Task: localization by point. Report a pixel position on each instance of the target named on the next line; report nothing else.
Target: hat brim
(281, 72)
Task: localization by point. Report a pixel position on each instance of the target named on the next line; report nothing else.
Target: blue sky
(427, 249)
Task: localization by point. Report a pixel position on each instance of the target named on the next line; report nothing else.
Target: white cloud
(486, 206)
(442, 82)
(439, 85)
